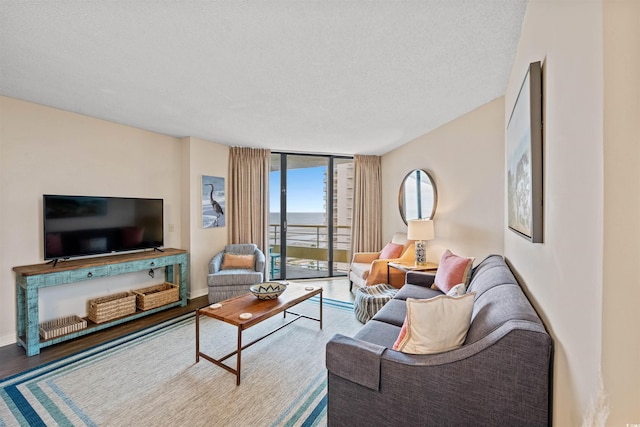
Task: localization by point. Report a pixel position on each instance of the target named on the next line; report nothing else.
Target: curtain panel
(248, 196)
(366, 225)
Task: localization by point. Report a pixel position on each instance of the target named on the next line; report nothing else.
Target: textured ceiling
(329, 76)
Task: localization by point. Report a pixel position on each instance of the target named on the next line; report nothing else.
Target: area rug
(150, 378)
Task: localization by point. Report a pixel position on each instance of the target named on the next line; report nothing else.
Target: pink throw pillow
(402, 336)
(452, 270)
(391, 250)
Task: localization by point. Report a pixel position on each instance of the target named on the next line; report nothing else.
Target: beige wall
(466, 160)
(203, 158)
(45, 150)
(563, 275)
(577, 278)
(620, 315)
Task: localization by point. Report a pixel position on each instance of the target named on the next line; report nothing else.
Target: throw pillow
(237, 261)
(452, 270)
(458, 290)
(391, 251)
(435, 325)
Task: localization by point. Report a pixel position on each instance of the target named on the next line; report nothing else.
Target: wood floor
(14, 360)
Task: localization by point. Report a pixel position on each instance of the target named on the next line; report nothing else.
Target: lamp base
(421, 253)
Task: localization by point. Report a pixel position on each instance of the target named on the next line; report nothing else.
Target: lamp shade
(420, 229)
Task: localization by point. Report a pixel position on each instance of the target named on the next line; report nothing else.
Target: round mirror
(417, 198)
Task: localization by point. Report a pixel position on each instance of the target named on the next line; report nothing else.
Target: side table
(429, 267)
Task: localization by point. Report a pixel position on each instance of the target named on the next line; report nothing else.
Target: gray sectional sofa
(501, 376)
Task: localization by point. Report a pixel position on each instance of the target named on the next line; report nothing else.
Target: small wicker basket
(156, 296)
(111, 307)
(57, 327)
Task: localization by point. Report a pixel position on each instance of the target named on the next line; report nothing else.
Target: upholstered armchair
(370, 268)
(234, 270)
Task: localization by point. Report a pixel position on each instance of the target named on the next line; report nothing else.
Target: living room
(575, 279)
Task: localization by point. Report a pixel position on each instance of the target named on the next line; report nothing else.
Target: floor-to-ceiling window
(311, 199)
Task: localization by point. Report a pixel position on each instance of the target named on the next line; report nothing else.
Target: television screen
(84, 225)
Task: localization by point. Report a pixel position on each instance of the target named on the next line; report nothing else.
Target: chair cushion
(237, 261)
(234, 277)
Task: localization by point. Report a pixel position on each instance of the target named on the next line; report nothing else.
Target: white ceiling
(327, 76)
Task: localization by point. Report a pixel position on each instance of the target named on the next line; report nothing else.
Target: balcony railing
(308, 250)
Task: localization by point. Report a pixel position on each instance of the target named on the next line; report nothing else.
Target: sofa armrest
(420, 278)
(355, 360)
(365, 257)
(260, 261)
(216, 263)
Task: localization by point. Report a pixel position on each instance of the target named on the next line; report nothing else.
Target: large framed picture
(525, 158)
(213, 201)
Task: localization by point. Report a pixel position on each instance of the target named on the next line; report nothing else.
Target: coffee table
(260, 310)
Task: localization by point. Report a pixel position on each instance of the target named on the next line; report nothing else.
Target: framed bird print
(213, 203)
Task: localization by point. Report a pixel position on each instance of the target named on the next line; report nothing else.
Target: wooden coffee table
(260, 310)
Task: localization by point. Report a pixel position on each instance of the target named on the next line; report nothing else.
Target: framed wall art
(213, 201)
(525, 158)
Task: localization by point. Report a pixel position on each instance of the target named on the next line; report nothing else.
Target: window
(310, 215)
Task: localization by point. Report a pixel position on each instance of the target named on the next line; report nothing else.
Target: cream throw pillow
(436, 324)
(237, 261)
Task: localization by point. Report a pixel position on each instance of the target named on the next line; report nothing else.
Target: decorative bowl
(268, 290)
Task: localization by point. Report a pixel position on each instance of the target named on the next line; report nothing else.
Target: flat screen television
(77, 226)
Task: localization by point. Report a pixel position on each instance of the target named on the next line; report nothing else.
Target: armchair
(369, 268)
(233, 270)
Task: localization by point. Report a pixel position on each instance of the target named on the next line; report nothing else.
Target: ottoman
(370, 299)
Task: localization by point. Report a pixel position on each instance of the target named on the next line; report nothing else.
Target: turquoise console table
(30, 278)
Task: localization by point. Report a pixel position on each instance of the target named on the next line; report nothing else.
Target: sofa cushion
(489, 273)
(435, 325)
(496, 307)
(417, 292)
(379, 333)
(392, 313)
(453, 269)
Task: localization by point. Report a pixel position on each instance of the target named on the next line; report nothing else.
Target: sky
(305, 190)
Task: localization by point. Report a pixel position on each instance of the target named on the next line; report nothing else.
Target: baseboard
(197, 294)
(7, 339)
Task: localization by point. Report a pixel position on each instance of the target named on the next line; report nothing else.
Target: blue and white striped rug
(150, 378)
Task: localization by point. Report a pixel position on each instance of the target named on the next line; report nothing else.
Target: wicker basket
(65, 325)
(156, 296)
(111, 307)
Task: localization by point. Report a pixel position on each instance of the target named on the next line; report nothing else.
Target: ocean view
(299, 218)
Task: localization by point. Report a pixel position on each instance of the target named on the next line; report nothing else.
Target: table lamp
(421, 230)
